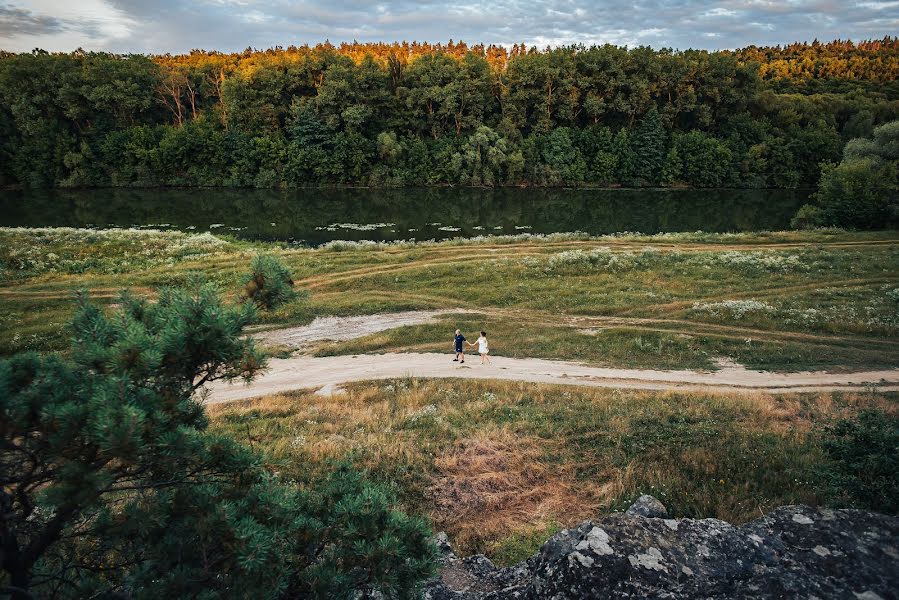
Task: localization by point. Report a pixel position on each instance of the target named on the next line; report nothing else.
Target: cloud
(61, 25)
(158, 26)
(16, 21)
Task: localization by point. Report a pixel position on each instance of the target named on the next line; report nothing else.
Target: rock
(647, 506)
(441, 540)
(329, 390)
(793, 552)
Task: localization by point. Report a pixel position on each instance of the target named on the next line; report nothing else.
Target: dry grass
(495, 484)
(499, 465)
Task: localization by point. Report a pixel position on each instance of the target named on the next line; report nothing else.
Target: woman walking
(484, 348)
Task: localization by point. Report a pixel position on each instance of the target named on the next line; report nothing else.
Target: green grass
(609, 345)
(501, 465)
(784, 301)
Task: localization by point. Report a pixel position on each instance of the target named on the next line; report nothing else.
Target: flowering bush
(736, 309)
(606, 259)
(771, 262)
(600, 258)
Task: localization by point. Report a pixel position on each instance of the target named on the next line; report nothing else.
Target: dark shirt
(459, 339)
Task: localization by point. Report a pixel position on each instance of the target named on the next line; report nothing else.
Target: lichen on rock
(794, 551)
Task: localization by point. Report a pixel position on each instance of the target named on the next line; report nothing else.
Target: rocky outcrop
(793, 552)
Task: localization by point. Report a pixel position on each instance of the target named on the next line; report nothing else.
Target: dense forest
(423, 114)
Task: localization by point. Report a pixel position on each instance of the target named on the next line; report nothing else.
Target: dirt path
(330, 372)
(347, 328)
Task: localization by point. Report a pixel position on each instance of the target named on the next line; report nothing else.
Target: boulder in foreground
(793, 552)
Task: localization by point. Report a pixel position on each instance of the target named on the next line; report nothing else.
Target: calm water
(315, 216)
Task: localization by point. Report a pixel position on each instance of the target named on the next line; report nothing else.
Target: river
(315, 216)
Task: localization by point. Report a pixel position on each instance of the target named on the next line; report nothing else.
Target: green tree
(483, 158)
(625, 157)
(311, 149)
(269, 283)
(705, 161)
(423, 94)
(562, 161)
(673, 170)
(859, 193)
(649, 143)
(542, 93)
(883, 145)
(596, 144)
(110, 483)
(863, 189)
(390, 163)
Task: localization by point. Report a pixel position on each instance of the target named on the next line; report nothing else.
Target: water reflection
(315, 216)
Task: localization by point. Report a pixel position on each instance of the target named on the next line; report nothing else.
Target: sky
(160, 26)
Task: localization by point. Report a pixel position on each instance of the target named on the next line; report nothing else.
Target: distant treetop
(866, 60)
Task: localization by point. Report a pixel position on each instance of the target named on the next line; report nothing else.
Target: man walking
(460, 347)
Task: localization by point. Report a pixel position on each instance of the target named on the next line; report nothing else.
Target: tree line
(425, 114)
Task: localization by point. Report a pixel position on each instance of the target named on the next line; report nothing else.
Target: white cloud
(719, 11)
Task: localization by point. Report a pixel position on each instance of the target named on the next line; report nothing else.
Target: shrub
(770, 262)
(270, 283)
(703, 161)
(807, 217)
(864, 468)
(598, 258)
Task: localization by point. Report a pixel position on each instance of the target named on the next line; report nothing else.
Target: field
(501, 465)
(782, 301)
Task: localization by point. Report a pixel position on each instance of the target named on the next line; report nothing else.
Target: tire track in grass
(70, 294)
(324, 279)
(680, 306)
(636, 325)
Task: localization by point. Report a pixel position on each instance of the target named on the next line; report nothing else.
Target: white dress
(482, 346)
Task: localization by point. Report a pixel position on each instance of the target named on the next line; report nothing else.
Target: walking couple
(483, 347)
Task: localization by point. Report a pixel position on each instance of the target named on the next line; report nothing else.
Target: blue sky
(157, 26)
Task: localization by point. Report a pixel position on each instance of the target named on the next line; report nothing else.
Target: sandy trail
(330, 372)
(340, 329)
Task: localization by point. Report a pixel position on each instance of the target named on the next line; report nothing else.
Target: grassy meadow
(501, 465)
(782, 301)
